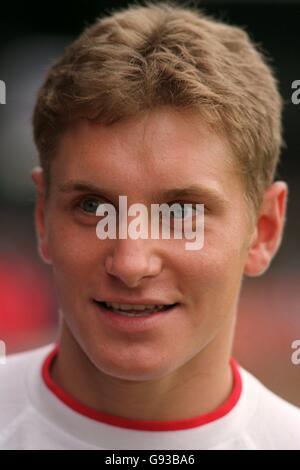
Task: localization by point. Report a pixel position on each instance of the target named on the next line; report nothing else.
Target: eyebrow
(206, 193)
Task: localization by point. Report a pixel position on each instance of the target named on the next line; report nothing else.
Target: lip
(135, 301)
(133, 324)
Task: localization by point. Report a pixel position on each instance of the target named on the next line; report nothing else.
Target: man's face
(143, 158)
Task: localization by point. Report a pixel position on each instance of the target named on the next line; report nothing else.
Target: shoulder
(275, 423)
(13, 382)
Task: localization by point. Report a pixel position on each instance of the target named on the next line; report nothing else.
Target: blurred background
(32, 36)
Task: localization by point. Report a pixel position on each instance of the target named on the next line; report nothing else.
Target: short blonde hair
(156, 54)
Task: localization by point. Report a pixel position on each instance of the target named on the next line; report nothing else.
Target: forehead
(153, 149)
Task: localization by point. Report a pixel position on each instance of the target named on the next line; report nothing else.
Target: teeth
(139, 308)
(127, 314)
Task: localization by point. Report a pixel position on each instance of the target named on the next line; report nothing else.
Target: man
(160, 104)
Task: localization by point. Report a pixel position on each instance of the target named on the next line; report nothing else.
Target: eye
(89, 204)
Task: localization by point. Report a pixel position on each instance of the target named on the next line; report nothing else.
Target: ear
(268, 230)
(38, 178)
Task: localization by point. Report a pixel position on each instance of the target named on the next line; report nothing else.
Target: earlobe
(40, 225)
(256, 263)
(43, 252)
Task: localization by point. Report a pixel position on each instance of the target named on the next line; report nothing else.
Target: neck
(198, 387)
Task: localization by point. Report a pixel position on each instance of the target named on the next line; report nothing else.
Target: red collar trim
(144, 425)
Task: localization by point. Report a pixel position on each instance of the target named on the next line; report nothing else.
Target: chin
(133, 368)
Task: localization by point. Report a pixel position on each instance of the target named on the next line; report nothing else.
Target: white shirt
(37, 414)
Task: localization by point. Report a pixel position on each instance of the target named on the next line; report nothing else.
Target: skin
(179, 368)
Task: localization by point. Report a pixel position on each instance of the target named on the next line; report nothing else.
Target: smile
(134, 310)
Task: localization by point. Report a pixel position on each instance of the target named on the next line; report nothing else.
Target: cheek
(210, 283)
(214, 272)
(74, 249)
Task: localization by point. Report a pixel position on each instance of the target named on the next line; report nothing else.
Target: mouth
(128, 310)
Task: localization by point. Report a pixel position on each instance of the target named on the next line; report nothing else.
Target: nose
(133, 260)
